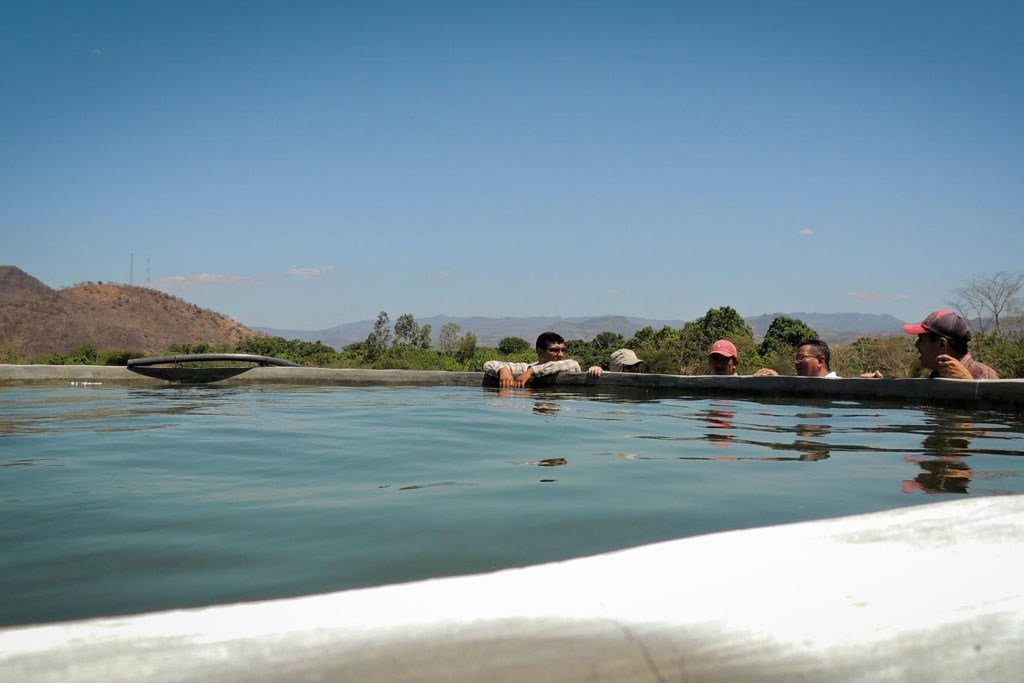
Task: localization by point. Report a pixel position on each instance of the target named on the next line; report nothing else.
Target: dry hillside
(36, 320)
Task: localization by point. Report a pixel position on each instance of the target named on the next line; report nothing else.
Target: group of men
(813, 359)
(942, 340)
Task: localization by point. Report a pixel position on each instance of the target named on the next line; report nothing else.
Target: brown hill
(37, 320)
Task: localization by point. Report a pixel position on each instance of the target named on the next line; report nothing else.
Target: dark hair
(959, 346)
(546, 339)
(820, 347)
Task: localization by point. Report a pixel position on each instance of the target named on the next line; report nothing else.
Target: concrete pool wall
(1006, 393)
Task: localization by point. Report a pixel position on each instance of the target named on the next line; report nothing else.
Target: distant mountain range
(834, 328)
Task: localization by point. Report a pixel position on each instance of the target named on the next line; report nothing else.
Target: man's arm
(507, 373)
(556, 366)
(951, 368)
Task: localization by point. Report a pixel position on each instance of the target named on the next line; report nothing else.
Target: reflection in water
(546, 408)
(435, 484)
(38, 462)
(941, 475)
(552, 462)
(720, 422)
(812, 450)
(515, 398)
(49, 412)
(948, 440)
(719, 419)
(943, 464)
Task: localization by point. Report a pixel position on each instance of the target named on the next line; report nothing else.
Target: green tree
(722, 323)
(659, 349)
(421, 339)
(510, 345)
(409, 333)
(406, 329)
(315, 354)
(466, 348)
(377, 341)
(784, 334)
(667, 336)
(606, 342)
(698, 335)
(257, 346)
(583, 352)
(449, 339)
(660, 361)
(596, 351)
(642, 338)
(1005, 356)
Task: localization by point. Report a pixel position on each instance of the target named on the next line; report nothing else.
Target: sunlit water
(128, 500)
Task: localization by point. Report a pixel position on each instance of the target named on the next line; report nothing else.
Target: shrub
(509, 345)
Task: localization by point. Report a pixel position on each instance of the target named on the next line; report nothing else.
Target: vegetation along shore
(35, 317)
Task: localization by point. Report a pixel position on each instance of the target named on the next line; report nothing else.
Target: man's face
(635, 367)
(809, 363)
(930, 349)
(553, 351)
(722, 365)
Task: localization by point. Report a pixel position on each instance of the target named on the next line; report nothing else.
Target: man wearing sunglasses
(813, 358)
(942, 340)
(551, 359)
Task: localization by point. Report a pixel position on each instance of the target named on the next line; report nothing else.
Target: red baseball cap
(943, 323)
(724, 347)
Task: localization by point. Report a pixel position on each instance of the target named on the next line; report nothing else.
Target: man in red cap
(723, 358)
(942, 340)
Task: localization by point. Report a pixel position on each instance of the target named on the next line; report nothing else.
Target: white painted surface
(930, 593)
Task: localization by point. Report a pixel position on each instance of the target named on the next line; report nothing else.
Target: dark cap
(949, 324)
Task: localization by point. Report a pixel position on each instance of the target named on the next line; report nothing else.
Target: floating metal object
(202, 375)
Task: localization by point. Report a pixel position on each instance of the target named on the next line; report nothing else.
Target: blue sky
(299, 165)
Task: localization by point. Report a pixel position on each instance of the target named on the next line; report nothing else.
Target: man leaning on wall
(813, 359)
(623, 360)
(723, 358)
(942, 340)
(551, 359)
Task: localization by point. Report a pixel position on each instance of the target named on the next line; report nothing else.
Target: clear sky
(304, 164)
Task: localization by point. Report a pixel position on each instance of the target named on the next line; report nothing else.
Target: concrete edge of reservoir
(927, 593)
(1009, 392)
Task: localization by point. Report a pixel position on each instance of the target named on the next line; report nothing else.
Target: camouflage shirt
(493, 367)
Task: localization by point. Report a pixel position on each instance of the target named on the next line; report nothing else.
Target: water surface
(129, 500)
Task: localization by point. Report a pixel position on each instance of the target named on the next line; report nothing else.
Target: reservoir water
(125, 500)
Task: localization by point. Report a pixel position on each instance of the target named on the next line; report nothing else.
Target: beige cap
(622, 357)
